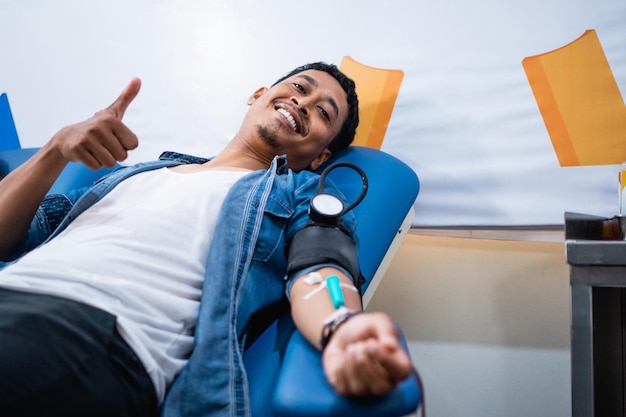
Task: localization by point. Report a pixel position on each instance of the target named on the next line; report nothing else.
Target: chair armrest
(302, 389)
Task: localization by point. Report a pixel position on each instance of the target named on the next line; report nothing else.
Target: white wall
(465, 118)
(487, 323)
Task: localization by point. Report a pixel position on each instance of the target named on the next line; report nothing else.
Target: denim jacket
(245, 272)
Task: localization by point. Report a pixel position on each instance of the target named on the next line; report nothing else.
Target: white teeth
(289, 117)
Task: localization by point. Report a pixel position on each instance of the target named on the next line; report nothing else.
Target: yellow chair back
(580, 102)
(377, 89)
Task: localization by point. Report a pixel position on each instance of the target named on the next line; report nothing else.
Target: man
(141, 296)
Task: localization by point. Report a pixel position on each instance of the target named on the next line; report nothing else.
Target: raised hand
(102, 140)
(99, 141)
(364, 357)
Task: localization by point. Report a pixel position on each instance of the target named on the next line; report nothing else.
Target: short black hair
(346, 135)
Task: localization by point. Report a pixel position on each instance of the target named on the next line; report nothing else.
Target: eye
(298, 87)
(324, 113)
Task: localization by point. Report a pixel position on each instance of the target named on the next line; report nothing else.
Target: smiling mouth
(289, 118)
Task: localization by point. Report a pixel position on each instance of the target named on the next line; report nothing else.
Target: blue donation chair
(284, 370)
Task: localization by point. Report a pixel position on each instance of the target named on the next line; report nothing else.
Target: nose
(300, 107)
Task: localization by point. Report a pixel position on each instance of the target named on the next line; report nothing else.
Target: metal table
(597, 258)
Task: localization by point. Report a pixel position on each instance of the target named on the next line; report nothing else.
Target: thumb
(119, 106)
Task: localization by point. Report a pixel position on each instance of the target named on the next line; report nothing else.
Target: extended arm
(363, 357)
(99, 141)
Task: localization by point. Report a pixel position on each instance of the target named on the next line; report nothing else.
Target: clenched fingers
(366, 368)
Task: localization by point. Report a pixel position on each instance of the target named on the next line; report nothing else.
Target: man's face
(299, 117)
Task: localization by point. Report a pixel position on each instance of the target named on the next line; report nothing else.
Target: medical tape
(333, 284)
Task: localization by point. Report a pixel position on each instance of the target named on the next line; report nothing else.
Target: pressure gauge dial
(325, 208)
(328, 208)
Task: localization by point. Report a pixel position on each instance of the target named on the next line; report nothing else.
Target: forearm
(101, 140)
(312, 305)
(22, 191)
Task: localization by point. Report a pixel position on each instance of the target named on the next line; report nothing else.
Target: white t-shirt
(139, 254)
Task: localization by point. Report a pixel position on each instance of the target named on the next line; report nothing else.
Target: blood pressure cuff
(318, 244)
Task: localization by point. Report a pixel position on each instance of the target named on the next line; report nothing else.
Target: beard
(268, 136)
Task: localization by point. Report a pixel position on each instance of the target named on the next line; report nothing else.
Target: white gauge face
(327, 204)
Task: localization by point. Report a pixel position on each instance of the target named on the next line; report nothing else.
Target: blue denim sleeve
(49, 215)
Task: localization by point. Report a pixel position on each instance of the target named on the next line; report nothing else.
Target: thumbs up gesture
(102, 140)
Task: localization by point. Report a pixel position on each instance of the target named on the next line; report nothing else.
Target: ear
(258, 93)
(321, 158)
